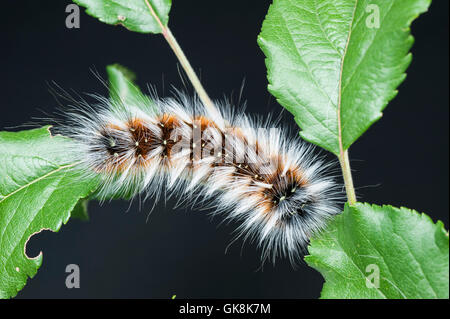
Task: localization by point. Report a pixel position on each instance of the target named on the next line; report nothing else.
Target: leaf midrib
(349, 80)
(312, 77)
(339, 105)
(37, 180)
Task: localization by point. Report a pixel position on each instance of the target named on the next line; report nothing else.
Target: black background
(402, 160)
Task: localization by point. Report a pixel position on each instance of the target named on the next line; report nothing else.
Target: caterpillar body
(279, 191)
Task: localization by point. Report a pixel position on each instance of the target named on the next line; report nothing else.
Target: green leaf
(142, 16)
(39, 187)
(331, 68)
(123, 90)
(121, 84)
(408, 249)
(80, 210)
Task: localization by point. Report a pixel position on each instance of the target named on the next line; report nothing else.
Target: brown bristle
(167, 124)
(203, 122)
(284, 186)
(145, 141)
(143, 138)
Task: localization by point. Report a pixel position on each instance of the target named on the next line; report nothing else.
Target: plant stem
(207, 102)
(188, 69)
(347, 174)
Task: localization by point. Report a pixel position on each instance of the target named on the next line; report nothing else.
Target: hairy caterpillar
(274, 185)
